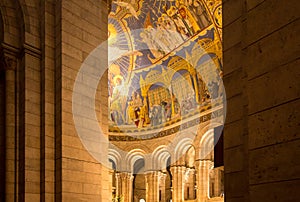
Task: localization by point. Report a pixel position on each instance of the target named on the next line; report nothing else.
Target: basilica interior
(149, 100)
(166, 100)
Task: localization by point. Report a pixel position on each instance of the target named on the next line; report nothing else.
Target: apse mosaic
(165, 61)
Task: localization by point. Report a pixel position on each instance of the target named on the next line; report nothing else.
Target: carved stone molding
(8, 63)
(31, 50)
(8, 57)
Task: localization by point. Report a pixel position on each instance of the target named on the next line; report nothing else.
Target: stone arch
(31, 16)
(21, 25)
(132, 157)
(33, 5)
(180, 150)
(190, 157)
(159, 158)
(210, 125)
(206, 144)
(11, 25)
(115, 156)
(13, 21)
(137, 145)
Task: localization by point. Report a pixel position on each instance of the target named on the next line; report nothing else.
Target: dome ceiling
(156, 35)
(130, 20)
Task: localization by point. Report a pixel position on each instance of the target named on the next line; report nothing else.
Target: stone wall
(82, 27)
(2, 137)
(43, 44)
(262, 81)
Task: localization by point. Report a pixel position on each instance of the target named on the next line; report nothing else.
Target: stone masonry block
(270, 16)
(275, 163)
(232, 58)
(234, 159)
(276, 87)
(236, 9)
(275, 192)
(236, 184)
(232, 89)
(279, 124)
(233, 134)
(275, 50)
(234, 109)
(233, 34)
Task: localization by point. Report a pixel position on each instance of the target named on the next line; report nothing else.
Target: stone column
(178, 173)
(32, 144)
(124, 186)
(111, 183)
(191, 181)
(186, 190)
(10, 125)
(162, 185)
(130, 187)
(203, 168)
(189, 187)
(218, 184)
(118, 184)
(152, 186)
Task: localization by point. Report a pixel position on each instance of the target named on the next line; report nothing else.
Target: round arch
(12, 21)
(132, 157)
(206, 145)
(159, 158)
(115, 156)
(181, 148)
(204, 134)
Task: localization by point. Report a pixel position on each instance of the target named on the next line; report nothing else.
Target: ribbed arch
(132, 157)
(160, 158)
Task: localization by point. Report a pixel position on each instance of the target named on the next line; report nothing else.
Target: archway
(168, 181)
(164, 76)
(139, 183)
(190, 175)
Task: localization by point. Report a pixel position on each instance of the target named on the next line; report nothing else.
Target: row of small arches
(184, 152)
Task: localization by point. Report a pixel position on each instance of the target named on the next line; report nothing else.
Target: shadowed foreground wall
(43, 44)
(82, 26)
(262, 81)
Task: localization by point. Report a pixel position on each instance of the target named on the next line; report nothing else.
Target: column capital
(190, 171)
(204, 162)
(124, 175)
(177, 169)
(153, 173)
(8, 62)
(162, 176)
